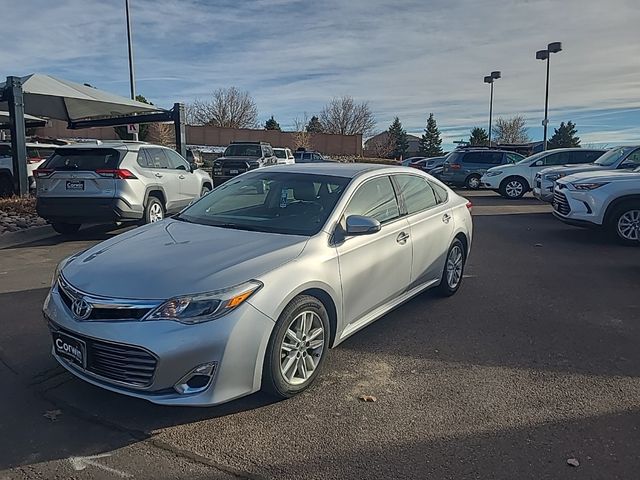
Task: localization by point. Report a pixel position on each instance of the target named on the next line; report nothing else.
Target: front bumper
(235, 343)
(490, 182)
(577, 208)
(87, 210)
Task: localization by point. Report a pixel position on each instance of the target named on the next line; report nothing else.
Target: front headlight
(552, 177)
(588, 186)
(493, 173)
(203, 307)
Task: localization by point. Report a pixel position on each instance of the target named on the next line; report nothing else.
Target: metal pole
(546, 105)
(490, 113)
(15, 101)
(179, 124)
(132, 78)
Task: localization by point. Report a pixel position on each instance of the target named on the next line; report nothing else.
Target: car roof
(116, 144)
(338, 169)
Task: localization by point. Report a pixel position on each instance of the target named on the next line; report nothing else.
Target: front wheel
(513, 188)
(625, 223)
(453, 269)
(473, 182)
(297, 347)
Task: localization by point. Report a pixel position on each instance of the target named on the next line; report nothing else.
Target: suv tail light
(120, 173)
(469, 206)
(455, 166)
(42, 172)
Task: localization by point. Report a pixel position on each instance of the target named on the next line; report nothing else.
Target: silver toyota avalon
(250, 286)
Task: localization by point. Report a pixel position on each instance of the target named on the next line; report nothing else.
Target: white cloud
(406, 58)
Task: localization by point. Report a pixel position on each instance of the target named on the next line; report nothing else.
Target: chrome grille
(560, 203)
(241, 167)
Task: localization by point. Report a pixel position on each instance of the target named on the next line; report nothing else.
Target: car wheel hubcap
(155, 213)
(454, 266)
(514, 189)
(302, 348)
(629, 225)
(474, 182)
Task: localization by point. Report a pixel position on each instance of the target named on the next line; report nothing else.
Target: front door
(374, 268)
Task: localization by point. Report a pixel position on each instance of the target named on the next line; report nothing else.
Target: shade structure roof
(51, 97)
(29, 120)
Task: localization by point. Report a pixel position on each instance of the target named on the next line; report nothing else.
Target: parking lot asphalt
(535, 361)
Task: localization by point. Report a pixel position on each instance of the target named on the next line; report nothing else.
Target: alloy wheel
(514, 189)
(474, 182)
(302, 347)
(629, 225)
(155, 213)
(454, 266)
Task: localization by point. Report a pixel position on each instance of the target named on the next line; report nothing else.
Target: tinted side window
(441, 193)
(157, 158)
(376, 199)
(513, 157)
(143, 159)
(416, 192)
(589, 156)
(559, 158)
(632, 161)
(175, 159)
(492, 158)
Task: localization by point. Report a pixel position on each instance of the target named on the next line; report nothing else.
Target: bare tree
(161, 134)
(511, 130)
(346, 117)
(301, 138)
(227, 107)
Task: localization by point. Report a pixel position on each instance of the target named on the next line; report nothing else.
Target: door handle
(446, 217)
(159, 175)
(181, 177)
(402, 238)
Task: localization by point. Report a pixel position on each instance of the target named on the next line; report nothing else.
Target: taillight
(469, 206)
(120, 173)
(455, 166)
(42, 172)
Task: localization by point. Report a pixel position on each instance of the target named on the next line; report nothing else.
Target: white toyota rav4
(608, 199)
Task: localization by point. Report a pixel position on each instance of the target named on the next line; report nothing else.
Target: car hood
(601, 176)
(574, 168)
(172, 257)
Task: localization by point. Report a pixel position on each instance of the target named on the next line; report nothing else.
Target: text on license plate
(70, 348)
(75, 184)
(233, 172)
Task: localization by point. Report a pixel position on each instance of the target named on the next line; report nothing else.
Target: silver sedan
(249, 287)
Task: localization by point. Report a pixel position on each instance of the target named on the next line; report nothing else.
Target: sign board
(133, 128)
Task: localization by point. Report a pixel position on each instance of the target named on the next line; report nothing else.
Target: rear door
(189, 182)
(79, 172)
(431, 225)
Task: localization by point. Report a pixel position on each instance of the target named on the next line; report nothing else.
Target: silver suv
(119, 181)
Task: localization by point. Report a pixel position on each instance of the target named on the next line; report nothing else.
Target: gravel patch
(18, 214)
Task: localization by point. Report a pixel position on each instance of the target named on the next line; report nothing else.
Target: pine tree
(271, 124)
(398, 139)
(479, 137)
(564, 136)
(430, 141)
(314, 125)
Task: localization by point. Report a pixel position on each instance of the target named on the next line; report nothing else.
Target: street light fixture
(495, 75)
(553, 47)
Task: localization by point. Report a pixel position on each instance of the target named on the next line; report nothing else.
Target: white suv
(607, 198)
(36, 154)
(284, 156)
(513, 181)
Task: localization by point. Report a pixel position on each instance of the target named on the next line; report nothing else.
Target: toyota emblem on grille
(81, 308)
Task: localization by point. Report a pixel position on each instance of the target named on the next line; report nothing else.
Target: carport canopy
(29, 121)
(81, 106)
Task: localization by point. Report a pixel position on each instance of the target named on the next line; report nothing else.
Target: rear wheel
(513, 188)
(6, 186)
(154, 211)
(473, 182)
(625, 223)
(204, 191)
(297, 347)
(66, 228)
(453, 269)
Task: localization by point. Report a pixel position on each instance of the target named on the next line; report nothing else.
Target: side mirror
(538, 163)
(361, 225)
(193, 166)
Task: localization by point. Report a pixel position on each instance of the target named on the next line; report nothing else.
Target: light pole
(132, 77)
(553, 47)
(490, 79)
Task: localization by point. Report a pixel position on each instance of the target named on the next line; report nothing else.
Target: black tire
(627, 212)
(513, 188)
(6, 186)
(66, 228)
(152, 210)
(205, 189)
(446, 289)
(273, 380)
(473, 182)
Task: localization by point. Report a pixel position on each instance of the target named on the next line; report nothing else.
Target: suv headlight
(588, 186)
(493, 173)
(552, 177)
(203, 307)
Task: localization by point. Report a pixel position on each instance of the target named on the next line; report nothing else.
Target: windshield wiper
(235, 226)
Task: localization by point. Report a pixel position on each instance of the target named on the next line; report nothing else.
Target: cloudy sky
(405, 57)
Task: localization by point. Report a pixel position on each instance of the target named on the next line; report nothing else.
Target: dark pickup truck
(240, 157)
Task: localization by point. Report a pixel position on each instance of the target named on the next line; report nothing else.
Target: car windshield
(533, 158)
(280, 153)
(612, 156)
(243, 150)
(274, 202)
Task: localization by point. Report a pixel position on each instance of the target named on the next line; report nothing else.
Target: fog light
(197, 380)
